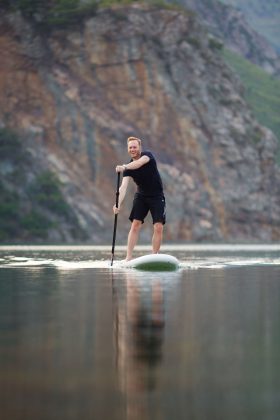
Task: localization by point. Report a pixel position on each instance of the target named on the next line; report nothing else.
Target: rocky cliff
(263, 16)
(230, 25)
(76, 95)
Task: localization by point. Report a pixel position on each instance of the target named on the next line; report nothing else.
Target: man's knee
(158, 228)
(136, 225)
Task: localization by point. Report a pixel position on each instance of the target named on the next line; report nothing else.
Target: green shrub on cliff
(29, 209)
(9, 213)
(61, 13)
(65, 12)
(46, 192)
(160, 3)
(35, 225)
(10, 145)
(54, 13)
(17, 223)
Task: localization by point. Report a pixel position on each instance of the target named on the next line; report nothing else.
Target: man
(142, 168)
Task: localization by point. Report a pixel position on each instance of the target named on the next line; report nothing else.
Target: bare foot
(126, 260)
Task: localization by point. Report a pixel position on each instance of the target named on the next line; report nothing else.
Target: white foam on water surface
(220, 262)
(78, 265)
(59, 264)
(25, 262)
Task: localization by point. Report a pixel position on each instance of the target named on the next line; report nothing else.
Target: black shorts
(142, 205)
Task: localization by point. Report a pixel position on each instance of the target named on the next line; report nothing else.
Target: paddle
(116, 219)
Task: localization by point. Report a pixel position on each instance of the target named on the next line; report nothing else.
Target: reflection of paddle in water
(139, 331)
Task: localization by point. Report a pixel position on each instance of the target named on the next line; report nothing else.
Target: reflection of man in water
(148, 328)
(139, 330)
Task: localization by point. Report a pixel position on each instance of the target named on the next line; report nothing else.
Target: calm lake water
(79, 340)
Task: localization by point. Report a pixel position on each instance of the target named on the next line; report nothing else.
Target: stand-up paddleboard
(153, 262)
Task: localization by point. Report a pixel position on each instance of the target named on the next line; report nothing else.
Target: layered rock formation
(264, 17)
(230, 25)
(75, 96)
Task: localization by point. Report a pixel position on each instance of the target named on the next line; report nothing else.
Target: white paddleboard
(153, 262)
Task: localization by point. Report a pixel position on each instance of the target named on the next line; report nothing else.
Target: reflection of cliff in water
(139, 332)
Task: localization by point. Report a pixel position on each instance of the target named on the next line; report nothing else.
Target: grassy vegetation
(62, 13)
(262, 91)
(54, 13)
(160, 3)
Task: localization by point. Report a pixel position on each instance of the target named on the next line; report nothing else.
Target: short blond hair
(134, 138)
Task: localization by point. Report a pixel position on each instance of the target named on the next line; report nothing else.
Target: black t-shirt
(147, 178)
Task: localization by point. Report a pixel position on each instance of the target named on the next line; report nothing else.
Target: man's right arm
(122, 191)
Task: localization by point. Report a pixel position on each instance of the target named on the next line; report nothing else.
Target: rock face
(75, 96)
(264, 17)
(231, 26)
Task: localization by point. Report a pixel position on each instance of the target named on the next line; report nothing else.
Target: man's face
(134, 149)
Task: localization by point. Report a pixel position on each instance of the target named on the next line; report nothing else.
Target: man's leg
(157, 237)
(133, 238)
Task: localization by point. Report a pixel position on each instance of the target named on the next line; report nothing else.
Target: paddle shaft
(116, 218)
